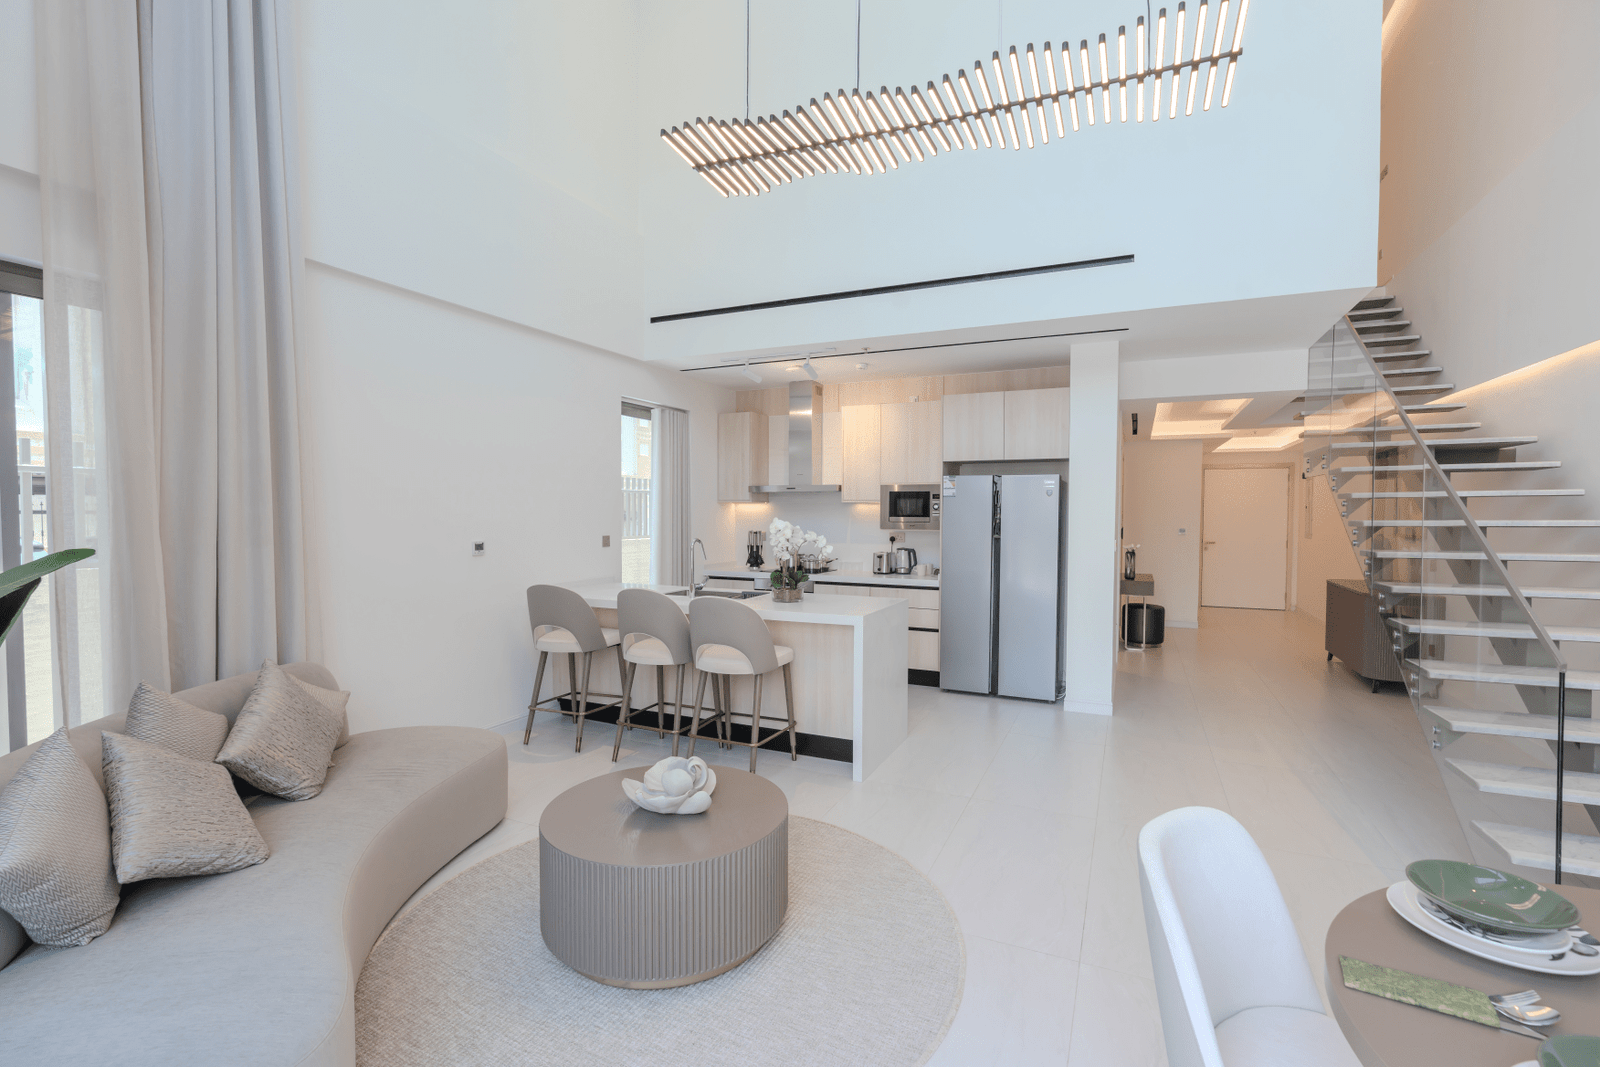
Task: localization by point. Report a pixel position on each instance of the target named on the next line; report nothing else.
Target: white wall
(1280, 186)
(1489, 219)
(1321, 547)
(1160, 498)
(436, 426)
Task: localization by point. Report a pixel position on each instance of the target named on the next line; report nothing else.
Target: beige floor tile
(1016, 1012)
(1045, 771)
(916, 823)
(1115, 1021)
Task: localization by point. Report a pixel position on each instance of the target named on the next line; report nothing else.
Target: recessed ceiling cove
(866, 134)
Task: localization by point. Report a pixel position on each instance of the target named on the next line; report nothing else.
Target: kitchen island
(849, 671)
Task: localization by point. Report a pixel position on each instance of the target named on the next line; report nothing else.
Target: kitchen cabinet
(832, 448)
(859, 430)
(743, 442)
(922, 632)
(910, 442)
(974, 426)
(1036, 423)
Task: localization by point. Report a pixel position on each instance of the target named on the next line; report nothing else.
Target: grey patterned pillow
(282, 739)
(162, 719)
(56, 877)
(173, 816)
(332, 699)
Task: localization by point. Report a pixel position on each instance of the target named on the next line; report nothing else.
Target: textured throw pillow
(56, 877)
(332, 699)
(162, 719)
(282, 739)
(173, 816)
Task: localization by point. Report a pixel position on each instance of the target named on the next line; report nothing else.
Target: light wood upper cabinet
(974, 426)
(1036, 423)
(911, 442)
(860, 469)
(777, 450)
(742, 445)
(832, 448)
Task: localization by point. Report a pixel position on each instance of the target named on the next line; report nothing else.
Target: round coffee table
(631, 898)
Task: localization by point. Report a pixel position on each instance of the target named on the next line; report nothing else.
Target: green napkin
(1444, 997)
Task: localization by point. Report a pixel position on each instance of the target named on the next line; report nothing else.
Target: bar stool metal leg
(538, 683)
(716, 704)
(583, 699)
(677, 710)
(661, 700)
(622, 715)
(788, 699)
(699, 699)
(755, 723)
(572, 680)
(727, 710)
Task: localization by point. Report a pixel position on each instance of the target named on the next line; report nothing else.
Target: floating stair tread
(1382, 356)
(1465, 494)
(1412, 372)
(1502, 674)
(1410, 409)
(1526, 847)
(1579, 730)
(1391, 339)
(1369, 430)
(1515, 631)
(1423, 390)
(1376, 299)
(1368, 314)
(1468, 554)
(1454, 442)
(1380, 324)
(1532, 592)
(1505, 524)
(1510, 780)
(1489, 466)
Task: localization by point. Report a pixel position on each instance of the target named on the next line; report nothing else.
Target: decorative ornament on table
(674, 786)
(788, 543)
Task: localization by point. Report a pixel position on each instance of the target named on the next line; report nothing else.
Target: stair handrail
(1495, 562)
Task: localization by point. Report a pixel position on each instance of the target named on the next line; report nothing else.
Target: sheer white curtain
(171, 272)
(669, 495)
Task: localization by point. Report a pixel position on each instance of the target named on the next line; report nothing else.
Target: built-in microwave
(909, 507)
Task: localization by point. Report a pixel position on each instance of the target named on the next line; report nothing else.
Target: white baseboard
(1086, 707)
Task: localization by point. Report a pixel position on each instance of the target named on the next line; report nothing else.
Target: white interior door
(1245, 527)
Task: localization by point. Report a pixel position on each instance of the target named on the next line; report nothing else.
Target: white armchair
(1231, 978)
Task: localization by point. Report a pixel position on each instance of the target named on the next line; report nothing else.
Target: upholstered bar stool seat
(565, 625)
(654, 634)
(730, 639)
(725, 659)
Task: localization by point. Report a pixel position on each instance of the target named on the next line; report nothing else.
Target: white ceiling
(1261, 325)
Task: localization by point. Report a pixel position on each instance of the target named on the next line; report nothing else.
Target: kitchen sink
(731, 594)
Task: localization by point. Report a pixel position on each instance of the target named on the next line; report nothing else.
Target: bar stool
(729, 638)
(564, 623)
(655, 633)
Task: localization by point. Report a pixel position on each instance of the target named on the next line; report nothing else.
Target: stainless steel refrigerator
(1002, 580)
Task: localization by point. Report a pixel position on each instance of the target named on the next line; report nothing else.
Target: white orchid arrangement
(788, 543)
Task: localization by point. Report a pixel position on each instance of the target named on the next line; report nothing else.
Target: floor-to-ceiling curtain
(225, 277)
(669, 492)
(172, 269)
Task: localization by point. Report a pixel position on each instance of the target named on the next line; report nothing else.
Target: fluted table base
(644, 901)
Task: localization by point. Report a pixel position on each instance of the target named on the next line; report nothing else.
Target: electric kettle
(905, 559)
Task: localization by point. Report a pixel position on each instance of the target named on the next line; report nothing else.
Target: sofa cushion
(283, 738)
(258, 967)
(55, 848)
(335, 700)
(174, 816)
(162, 719)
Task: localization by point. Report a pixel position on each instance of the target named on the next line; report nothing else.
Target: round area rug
(866, 969)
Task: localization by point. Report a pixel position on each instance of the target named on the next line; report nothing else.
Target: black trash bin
(1144, 625)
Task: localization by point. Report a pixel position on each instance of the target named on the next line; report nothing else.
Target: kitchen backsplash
(852, 529)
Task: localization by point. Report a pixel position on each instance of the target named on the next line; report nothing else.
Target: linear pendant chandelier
(862, 133)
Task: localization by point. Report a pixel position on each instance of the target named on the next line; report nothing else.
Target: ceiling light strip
(874, 133)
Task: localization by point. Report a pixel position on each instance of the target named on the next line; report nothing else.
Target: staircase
(1507, 715)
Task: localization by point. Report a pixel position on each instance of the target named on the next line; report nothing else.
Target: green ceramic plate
(1493, 898)
(1570, 1050)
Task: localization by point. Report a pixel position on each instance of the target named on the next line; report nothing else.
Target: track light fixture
(748, 373)
(865, 134)
(811, 372)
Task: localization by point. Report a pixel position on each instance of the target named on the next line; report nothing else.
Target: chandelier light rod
(864, 134)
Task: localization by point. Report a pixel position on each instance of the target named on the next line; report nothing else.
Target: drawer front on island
(922, 634)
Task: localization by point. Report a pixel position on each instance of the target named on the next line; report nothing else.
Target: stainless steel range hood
(804, 405)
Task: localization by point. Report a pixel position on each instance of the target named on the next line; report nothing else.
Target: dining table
(1387, 1033)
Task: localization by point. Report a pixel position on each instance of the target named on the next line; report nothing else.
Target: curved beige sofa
(259, 966)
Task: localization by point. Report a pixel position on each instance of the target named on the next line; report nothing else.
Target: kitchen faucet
(694, 588)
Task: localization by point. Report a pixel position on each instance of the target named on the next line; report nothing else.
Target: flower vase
(787, 596)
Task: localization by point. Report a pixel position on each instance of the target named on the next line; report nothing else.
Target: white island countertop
(910, 581)
(849, 667)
